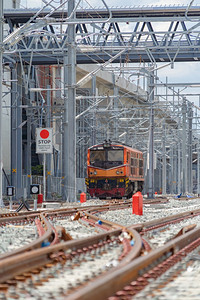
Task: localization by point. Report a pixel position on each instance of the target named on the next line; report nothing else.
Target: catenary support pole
(93, 121)
(1, 72)
(184, 158)
(151, 137)
(198, 168)
(48, 156)
(164, 160)
(171, 176)
(13, 126)
(19, 190)
(179, 158)
(28, 151)
(190, 177)
(69, 123)
(116, 107)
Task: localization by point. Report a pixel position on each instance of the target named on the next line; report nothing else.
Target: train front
(106, 171)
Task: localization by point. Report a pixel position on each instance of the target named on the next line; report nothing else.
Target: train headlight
(91, 173)
(117, 172)
(95, 172)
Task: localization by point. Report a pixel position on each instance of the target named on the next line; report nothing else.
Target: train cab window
(116, 155)
(97, 157)
(106, 158)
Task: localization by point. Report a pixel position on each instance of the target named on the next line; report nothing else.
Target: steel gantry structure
(110, 39)
(100, 33)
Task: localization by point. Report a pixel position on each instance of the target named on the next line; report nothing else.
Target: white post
(1, 72)
(10, 203)
(44, 177)
(35, 204)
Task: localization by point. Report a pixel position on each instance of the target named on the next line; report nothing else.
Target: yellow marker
(14, 170)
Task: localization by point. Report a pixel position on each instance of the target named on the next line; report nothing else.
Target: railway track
(116, 256)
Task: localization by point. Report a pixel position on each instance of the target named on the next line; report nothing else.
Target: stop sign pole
(44, 145)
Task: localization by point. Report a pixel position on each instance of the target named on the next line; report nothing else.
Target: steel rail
(147, 225)
(109, 224)
(7, 217)
(132, 233)
(20, 263)
(27, 215)
(116, 280)
(38, 243)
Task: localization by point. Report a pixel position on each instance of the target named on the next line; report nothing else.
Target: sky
(182, 72)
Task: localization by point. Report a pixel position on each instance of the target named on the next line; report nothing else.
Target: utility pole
(1, 72)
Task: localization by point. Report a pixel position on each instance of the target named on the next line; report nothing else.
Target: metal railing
(56, 185)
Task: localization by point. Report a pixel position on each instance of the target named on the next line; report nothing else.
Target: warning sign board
(44, 143)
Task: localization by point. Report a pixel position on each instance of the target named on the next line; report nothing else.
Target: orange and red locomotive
(114, 171)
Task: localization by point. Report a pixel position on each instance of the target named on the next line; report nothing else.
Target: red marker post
(83, 197)
(137, 204)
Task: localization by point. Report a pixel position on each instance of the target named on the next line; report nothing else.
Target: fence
(56, 185)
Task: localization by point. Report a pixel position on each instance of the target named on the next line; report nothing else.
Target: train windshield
(97, 155)
(106, 158)
(115, 155)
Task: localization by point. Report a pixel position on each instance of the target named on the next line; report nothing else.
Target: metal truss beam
(136, 29)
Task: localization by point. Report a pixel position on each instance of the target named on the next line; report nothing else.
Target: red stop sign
(44, 134)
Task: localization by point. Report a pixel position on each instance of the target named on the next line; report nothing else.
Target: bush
(37, 170)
